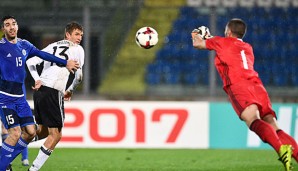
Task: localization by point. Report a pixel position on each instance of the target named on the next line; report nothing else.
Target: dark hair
(5, 18)
(70, 27)
(237, 27)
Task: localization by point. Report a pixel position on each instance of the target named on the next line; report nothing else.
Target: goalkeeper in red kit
(234, 61)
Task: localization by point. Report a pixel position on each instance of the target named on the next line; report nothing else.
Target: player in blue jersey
(15, 111)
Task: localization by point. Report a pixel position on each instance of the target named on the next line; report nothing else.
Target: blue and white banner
(228, 131)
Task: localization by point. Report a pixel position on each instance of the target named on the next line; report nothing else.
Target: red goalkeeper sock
(267, 133)
(287, 139)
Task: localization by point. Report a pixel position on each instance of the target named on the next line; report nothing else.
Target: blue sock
(25, 154)
(20, 146)
(6, 155)
(3, 136)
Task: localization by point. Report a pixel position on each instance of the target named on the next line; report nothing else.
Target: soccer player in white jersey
(15, 111)
(50, 89)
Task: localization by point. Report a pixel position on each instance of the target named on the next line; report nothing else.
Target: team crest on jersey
(24, 52)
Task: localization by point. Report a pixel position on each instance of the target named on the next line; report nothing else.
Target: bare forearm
(198, 42)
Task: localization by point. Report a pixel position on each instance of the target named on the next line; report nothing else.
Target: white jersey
(52, 75)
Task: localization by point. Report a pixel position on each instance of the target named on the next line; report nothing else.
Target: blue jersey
(12, 66)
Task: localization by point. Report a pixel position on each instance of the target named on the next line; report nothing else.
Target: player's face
(75, 37)
(10, 28)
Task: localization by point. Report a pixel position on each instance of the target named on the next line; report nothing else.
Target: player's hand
(203, 32)
(197, 41)
(195, 36)
(37, 85)
(72, 65)
(67, 95)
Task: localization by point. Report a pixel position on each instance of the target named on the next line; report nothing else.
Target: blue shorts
(16, 114)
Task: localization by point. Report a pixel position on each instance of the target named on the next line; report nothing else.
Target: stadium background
(128, 90)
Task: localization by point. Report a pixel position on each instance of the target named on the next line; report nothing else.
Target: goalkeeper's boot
(285, 156)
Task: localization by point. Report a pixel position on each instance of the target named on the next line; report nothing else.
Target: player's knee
(272, 121)
(30, 132)
(15, 133)
(250, 114)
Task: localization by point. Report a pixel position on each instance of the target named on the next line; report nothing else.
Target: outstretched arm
(199, 35)
(197, 41)
(49, 57)
(69, 64)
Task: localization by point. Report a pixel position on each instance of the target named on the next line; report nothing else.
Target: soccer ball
(146, 37)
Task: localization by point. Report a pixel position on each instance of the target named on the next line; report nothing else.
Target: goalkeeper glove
(203, 32)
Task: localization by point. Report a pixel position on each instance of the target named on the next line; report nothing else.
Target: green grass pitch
(90, 159)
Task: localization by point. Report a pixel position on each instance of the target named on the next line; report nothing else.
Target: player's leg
(4, 135)
(25, 160)
(283, 136)
(267, 134)
(4, 132)
(287, 139)
(43, 107)
(50, 112)
(42, 132)
(7, 151)
(247, 98)
(21, 128)
(10, 121)
(27, 125)
(28, 133)
(264, 130)
(269, 116)
(54, 137)
(14, 144)
(46, 150)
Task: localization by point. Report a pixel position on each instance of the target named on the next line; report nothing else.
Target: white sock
(41, 158)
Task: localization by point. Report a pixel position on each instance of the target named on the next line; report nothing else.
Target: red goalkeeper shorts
(249, 92)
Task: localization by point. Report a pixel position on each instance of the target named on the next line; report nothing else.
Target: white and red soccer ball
(146, 37)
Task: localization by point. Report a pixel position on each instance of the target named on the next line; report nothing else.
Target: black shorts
(49, 107)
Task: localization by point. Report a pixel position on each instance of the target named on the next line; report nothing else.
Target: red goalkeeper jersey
(234, 59)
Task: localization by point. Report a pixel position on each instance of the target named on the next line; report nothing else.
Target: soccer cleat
(9, 168)
(285, 156)
(25, 162)
(32, 168)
